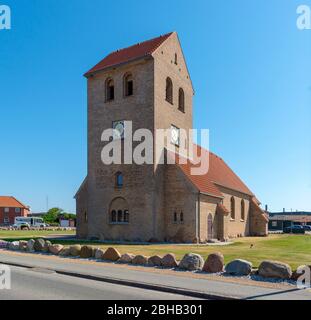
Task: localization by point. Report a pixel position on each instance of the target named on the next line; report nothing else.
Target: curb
(129, 283)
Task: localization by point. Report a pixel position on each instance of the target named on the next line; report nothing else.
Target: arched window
(85, 217)
(181, 100)
(175, 216)
(126, 216)
(119, 180)
(109, 89)
(232, 208)
(128, 85)
(120, 216)
(119, 211)
(169, 90)
(242, 210)
(113, 216)
(176, 59)
(181, 217)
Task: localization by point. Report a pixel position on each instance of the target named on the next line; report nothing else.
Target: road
(42, 284)
(114, 281)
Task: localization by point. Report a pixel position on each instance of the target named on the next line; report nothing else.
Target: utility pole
(47, 203)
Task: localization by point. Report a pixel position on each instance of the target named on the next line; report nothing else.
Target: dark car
(307, 228)
(295, 229)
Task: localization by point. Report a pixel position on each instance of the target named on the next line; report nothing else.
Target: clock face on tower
(118, 127)
(175, 135)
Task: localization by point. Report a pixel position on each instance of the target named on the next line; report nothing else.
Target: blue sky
(250, 66)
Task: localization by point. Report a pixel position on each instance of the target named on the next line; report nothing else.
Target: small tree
(52, 215)
(69, 216)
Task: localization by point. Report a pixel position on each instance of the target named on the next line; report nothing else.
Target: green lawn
(292, 249)
(28, 234)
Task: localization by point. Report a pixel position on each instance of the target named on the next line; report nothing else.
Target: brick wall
(11, 215)
(236, 227)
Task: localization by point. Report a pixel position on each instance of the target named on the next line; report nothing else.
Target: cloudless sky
(250, 65)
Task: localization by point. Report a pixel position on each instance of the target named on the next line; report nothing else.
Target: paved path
(155, 277)
(36, 284)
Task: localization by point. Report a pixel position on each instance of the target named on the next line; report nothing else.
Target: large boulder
(126, 258)
(3, 244)
(140, 260)
(14, 246)
(86, 252)
(22, 245)
(191, 262)
(99, 253)
(93, 252)
(75, 250)
(112, 254)
(65, 252)
(214, 263)
(46, 246)
(239, 267)
(275, 269)
(56, 248)
(30, 245)
(155, 261)
(39, 245)
(169, 261)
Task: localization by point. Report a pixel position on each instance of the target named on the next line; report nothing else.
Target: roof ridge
(166, 36)
(210, 152)
(219, 174)
(141, 43)
(225, 163)
(13, 198)
(19, 202)
(130, 53)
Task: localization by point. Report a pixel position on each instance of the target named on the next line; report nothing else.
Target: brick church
(149, 84)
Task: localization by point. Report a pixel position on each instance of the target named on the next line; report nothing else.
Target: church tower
(149, 85)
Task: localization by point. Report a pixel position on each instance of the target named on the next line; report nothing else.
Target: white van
(28, 222)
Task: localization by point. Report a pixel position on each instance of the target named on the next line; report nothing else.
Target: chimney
(266, 208)
(283, 210)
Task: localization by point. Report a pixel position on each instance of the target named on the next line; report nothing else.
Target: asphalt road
(42, 284)
(31, 284)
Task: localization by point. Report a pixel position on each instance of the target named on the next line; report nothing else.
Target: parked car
(295, 229)
(307, 228)
(25, 223)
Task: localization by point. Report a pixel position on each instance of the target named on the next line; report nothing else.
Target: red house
(11, 208)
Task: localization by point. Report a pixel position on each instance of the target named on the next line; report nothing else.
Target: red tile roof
(264, 215)
(11, 202)
(136, 51)
(222, 209)
(219, 174)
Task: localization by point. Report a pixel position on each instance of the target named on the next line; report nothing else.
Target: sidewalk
(193, 284)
